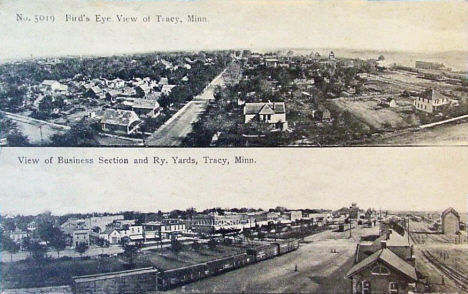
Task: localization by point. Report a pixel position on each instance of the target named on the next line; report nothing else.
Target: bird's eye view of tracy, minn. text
(236, 98)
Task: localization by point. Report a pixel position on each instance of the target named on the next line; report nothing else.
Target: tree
(81, 248)
(195, 245)
(130, 252)
(176, 246)
(57, 240)
(37, 250)
(81, 134)
(212, 244)
(101, 242)
(16, 139)
(9, 246)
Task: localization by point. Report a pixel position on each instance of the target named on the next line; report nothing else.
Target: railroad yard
(441, 258)
(321, 261)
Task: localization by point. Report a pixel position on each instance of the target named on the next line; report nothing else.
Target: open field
(365, 110)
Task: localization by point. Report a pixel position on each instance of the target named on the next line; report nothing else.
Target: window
(393, 287)
(380, 270)
(366, 287)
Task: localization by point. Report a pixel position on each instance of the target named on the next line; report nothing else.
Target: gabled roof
(432, 94)
(450, 209)
(266, 110)
(144, 103)
(387, 257)
(96, 90)
(255, 108)
(144, 87)
(119, 117)
(153, 96)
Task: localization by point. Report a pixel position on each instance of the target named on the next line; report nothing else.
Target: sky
(422, 26)
(429, 178)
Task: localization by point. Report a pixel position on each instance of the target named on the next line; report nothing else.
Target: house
(163, 81)
(167, 89)
(153, 96)
(431, 101)
(146, 107)
(273, 113)
(18, 235)
(32, 226)
(388, 102)
(118, 121)
(142, 90)
(80, 236)
(450, 220)
(112, 95)
(50, 85)
(167, 65)
(271, 62)
(94, 92)
(382, 272)
(111, 235)
(323, 113)
(116, 83)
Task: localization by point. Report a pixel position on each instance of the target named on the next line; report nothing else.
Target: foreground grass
(57, 272)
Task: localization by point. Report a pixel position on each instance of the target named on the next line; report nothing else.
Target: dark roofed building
(118, 121)
(382, 272)
(145, 107)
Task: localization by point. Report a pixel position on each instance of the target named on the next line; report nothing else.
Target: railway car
(263, 252)
(293, 245)
(222, 265)
(287, 246)
(176, 277)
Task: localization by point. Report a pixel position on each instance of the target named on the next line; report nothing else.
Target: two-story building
(273, 113)
(431, 101)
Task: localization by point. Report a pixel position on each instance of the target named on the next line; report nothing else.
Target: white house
(431, 101)
(271, 112)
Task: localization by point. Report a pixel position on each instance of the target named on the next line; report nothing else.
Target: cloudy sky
(391, 178)
(423, 26)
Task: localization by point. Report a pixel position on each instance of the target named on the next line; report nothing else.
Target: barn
(450, 221)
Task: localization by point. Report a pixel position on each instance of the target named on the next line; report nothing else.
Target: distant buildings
(450, 220)
(429, 65)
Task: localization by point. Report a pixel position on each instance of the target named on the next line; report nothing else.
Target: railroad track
(456, 276)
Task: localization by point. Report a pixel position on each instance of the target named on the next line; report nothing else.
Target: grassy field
(56, 272)
(382, 118)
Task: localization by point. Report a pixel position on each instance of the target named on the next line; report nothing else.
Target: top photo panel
(233, 73)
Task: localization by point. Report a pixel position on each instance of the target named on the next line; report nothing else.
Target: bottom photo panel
(302, 225)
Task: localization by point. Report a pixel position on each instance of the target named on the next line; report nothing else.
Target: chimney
(383, 244)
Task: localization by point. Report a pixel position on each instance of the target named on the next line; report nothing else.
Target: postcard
(233, 146)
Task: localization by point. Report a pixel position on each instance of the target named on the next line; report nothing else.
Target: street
(177, 127)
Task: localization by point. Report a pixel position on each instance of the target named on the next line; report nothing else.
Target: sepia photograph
(354, 223)
(239, 74)
(208, 146)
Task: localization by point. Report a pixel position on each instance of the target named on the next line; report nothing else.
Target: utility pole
(350, 228)
(40, 130)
